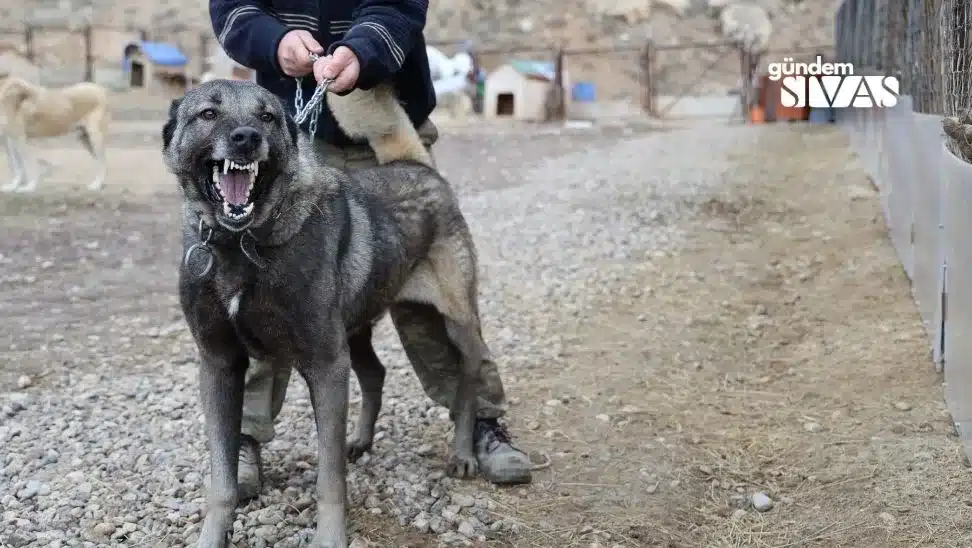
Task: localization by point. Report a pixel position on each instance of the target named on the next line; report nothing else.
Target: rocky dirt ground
(706, 329)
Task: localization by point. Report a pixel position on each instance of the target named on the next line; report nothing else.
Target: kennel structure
(156, 66)
(519, 89)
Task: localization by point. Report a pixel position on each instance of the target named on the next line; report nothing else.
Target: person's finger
(319, 67)
(332, 67)
(343, 82)
(309, 42)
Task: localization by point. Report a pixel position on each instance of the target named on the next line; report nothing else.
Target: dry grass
(780, 352)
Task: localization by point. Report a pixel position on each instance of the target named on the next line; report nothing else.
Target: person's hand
(342, 67)
(294, 53)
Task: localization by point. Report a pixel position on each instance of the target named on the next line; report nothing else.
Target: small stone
(469, 527)
(902, 406)
(762, 502)
(24, 381)
(421, 523)
(29, 491)
(103, 530)
(464, 501)
(603, 418)
(811, 427)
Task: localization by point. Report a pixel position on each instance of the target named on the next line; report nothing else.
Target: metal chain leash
(314, 105)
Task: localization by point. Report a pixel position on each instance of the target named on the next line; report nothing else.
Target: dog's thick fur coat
(29, 111)
(299, 280)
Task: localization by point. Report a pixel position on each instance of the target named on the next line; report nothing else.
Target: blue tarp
(164, 54)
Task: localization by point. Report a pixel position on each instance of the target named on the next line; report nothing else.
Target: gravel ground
(590, 246)
(105, 452)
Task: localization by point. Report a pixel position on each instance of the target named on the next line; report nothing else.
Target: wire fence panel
(956, 16)
(904, 38)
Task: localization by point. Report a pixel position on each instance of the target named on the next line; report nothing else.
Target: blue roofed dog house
(156, 66)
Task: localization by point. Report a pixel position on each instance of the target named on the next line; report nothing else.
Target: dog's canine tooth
(216, 174)
(226, 166)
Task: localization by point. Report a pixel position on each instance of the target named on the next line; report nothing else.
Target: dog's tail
(376, 115)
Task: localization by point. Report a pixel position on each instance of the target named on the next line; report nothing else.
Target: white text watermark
(821, 84)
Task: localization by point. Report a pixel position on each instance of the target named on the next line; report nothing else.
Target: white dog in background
(29, 111)
(451, 78)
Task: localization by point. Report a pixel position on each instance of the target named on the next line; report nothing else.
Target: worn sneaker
(250, 474)
(500, 460)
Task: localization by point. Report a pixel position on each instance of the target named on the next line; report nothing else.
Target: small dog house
(156, 66)
(519, 90)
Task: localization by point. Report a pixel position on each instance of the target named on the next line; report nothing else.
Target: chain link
(314, 105)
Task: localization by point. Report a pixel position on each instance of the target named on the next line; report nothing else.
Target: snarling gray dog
(291, 262)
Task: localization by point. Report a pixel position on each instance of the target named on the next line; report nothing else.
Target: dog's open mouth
(233, 185)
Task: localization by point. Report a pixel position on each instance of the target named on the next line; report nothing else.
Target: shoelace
(498, 431)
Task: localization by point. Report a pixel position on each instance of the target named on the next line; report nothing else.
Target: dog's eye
(266, 117)
(208, 114)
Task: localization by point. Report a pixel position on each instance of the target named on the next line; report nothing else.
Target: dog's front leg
(28, 182)
(221, 379)
(13, 160)
(327, 380)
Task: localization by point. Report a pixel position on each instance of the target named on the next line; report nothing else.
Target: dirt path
(779, 352)
(776, 351)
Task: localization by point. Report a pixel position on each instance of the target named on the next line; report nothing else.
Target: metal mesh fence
(956, 16)
(905, 38)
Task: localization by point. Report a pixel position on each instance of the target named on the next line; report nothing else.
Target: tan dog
(29, 111)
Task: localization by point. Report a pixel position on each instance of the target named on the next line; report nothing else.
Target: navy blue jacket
(385, 35)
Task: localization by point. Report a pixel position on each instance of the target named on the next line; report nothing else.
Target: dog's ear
(292, 128)
(174, 106)
(168, 130)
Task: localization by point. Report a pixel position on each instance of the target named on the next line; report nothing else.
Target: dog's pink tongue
(234, 185)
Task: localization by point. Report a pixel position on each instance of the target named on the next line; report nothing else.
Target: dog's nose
(245, 139)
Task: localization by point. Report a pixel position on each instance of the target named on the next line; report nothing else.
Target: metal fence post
(88, 54)
(647, 85)
(29, 42)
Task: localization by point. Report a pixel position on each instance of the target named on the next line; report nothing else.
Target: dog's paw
(462, 467)
(357, 448)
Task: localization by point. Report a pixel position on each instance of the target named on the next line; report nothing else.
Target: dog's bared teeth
(255, 169)
(226, 166)
(248, 209)
(216, 174)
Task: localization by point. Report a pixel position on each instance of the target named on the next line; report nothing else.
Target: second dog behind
(29, 111)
